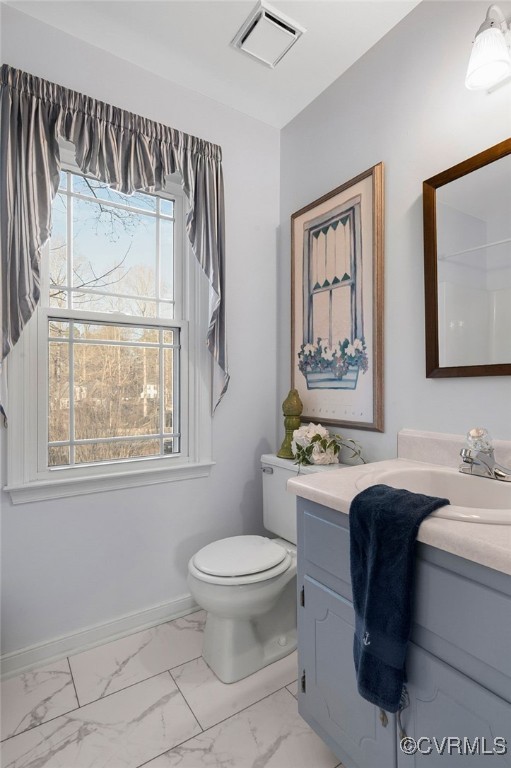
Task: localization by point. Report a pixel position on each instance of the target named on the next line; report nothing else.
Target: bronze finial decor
(292, 408)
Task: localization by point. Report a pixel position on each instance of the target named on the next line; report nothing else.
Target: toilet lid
(239, 556)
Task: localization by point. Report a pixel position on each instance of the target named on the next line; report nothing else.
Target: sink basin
(473, 499)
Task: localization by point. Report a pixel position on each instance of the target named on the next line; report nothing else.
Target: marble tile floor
(150, 699)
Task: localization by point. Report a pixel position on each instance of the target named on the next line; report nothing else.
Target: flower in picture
(335, 360)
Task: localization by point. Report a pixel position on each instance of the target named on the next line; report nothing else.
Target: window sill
(42, 490)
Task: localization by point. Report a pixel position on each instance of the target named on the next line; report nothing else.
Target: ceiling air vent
(267, 35)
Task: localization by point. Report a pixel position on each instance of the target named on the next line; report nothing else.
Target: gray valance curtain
(127, 152)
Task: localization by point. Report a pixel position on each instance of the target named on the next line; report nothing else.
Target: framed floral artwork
(337, 304)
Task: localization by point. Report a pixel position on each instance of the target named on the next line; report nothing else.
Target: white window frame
(27, 372)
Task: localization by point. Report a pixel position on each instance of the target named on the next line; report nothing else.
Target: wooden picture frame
(337, 304)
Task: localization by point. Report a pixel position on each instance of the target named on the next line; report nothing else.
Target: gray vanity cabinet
(327, 693)
(458, 663)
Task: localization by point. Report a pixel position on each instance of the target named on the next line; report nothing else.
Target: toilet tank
(279, 506)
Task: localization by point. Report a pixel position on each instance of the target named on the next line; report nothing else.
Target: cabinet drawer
(327, 544)
(470, 616)
(445, 703)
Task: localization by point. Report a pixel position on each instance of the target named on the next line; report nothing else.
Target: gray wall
(72, 563)
(403, 103)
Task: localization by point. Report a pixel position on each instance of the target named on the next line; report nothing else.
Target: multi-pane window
(112, 392)
(110, 382)
(114, 334)
(111, 252)
(332, 277)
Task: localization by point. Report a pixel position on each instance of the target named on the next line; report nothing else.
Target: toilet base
(237, 646)
(233, 648)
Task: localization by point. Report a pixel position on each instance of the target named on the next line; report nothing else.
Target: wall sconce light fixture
(490, 60)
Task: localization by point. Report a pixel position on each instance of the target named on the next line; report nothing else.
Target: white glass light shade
(490, 61)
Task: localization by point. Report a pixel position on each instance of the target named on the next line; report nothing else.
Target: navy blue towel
(383, 527)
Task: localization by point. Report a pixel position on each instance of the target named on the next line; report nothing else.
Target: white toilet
(247, 585)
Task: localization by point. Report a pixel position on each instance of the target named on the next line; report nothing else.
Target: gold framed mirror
(467, 266)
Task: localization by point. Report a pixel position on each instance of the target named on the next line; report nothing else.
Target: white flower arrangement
(313, 444)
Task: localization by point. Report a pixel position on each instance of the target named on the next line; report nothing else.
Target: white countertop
(488, 545)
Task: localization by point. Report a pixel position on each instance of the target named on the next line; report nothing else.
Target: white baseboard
(18, 661)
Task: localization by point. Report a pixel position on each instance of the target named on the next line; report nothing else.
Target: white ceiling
(187, 42)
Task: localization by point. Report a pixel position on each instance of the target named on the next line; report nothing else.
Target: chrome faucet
(478, 457)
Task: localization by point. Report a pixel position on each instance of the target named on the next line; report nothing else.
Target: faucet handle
(479, 439)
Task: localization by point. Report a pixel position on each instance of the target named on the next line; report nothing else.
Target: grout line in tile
(183, 663)
(184, 697)
(150, 677)
(205, 731)
(63, 714)
(34, 727)
(234, 713)
(186, 702)
(73, 681)
(81, 706)
(107, 695)
(292, 695)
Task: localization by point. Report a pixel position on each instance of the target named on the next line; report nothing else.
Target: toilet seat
(238, 556)
(240, 560)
